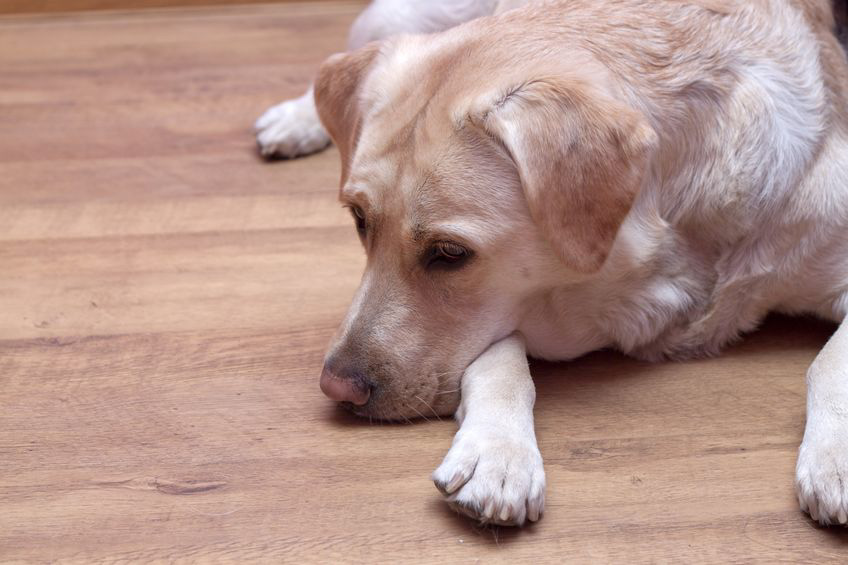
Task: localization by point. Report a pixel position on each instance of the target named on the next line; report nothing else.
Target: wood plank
(166, 297)
(47, 6)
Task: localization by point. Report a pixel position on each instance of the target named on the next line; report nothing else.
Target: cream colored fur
(653, 176)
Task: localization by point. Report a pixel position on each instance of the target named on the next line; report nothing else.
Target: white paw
(494, 476)
(821, 478)
(291, 129)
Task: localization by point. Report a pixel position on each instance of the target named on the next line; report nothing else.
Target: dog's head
(475, 183)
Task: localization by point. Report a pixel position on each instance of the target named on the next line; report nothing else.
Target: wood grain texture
(48, 6)
(165, 299)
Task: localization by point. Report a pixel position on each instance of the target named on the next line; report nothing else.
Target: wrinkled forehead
(398, 187)
(405, 126)
(395, 148)
(452, 180)
(414, 159)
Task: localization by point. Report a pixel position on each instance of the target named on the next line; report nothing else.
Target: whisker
(448, 391)
(428, 406)
(417, 412)
(442, 374)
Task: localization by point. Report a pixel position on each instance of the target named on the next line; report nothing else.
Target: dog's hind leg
(292, 128)
(822, 470)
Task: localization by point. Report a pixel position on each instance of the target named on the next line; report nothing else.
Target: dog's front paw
(822, 478)
(494, 476)
(291, 129)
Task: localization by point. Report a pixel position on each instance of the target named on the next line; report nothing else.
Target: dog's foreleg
(822, 470)
(292, 128)
(493, 471)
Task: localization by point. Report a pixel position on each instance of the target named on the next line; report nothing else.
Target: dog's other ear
(581, 157)
(337, 98)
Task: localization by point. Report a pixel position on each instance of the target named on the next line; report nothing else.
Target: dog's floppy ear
(581, 157)
(337, 99)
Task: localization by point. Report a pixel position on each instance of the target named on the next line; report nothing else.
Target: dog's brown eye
(447, 254)
(359, 218)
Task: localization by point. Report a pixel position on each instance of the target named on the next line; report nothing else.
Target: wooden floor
(165, 298)
(43, 6)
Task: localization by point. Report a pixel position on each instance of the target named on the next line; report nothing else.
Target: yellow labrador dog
(558, 177)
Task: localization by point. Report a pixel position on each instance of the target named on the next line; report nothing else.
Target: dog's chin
(356, 409)
(374, 411)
